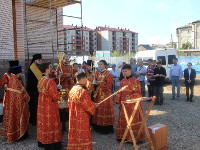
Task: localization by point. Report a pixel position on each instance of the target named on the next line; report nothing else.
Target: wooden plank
(55, 4)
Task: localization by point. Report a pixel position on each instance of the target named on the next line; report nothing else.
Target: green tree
(187, 45)
(118, 54)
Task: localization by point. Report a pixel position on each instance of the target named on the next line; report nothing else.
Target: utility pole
(172, 41)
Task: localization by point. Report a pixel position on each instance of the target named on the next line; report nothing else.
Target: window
(170, 59)
(163, 59)
(189, 31)
(139, 58)
(145, 60)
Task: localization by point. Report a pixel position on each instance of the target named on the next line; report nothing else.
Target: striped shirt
(150, 72)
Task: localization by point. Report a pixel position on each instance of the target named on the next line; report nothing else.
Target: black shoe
(40, 144)
(172, 98)
(191, 100)
(24, 137)
(187, 100)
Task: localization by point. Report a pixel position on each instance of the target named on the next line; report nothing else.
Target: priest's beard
(20, 78)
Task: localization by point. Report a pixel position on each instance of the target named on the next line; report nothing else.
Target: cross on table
(142, 124)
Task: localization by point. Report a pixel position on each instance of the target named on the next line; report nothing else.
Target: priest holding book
(33, 76)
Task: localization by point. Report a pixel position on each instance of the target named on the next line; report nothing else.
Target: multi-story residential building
(189, 33)
(196, 29)
(79, 41)
(116, 39)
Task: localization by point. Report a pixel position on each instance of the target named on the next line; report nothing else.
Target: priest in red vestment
(132, 91)
(80, 107)
(16, 114)
(48, 120)
(90, 76)
(73, 79)
(103, 119)
(6, 76)
(65, 72)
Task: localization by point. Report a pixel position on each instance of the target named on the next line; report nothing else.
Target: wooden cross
(142, 124)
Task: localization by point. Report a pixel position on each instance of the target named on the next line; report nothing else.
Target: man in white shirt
(175, 76)
(114, 73)
(141, 73)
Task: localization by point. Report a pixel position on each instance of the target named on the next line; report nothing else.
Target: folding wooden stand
(142, 124)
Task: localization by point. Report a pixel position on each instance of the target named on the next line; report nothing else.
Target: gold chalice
(62, 103)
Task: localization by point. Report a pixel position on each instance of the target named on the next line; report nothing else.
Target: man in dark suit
(189, 75)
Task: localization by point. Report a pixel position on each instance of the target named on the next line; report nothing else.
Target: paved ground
(182, 119)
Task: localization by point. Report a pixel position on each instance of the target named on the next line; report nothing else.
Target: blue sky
(154, 20)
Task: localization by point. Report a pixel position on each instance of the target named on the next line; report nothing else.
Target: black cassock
(32, 90)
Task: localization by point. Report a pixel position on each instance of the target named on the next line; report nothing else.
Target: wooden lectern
(142, 124)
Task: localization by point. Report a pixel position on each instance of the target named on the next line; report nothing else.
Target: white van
(166, 55)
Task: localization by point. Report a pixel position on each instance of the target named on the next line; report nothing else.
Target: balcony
(78, 47)
(124, 39)
(91, 39)
(78, 38)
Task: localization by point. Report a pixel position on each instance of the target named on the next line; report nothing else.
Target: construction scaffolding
(44, 27)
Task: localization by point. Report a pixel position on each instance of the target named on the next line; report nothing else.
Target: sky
(153, 20)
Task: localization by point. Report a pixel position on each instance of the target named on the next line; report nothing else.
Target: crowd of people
(87, 91)
(153, 76)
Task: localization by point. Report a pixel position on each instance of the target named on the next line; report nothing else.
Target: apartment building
(79, 40)
(189, 33)
(116, 39)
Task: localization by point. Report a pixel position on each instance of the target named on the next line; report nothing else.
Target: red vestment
(80, 106)
(15, 112)
(90, 78)
(132, 91)
(84, 67)
(48, 120)
(4, 80)
(65, 81)
(73, 79)
(53, 75)
(104, 115)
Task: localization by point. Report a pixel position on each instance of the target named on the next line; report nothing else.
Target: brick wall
(6, 30)
(13, 45)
